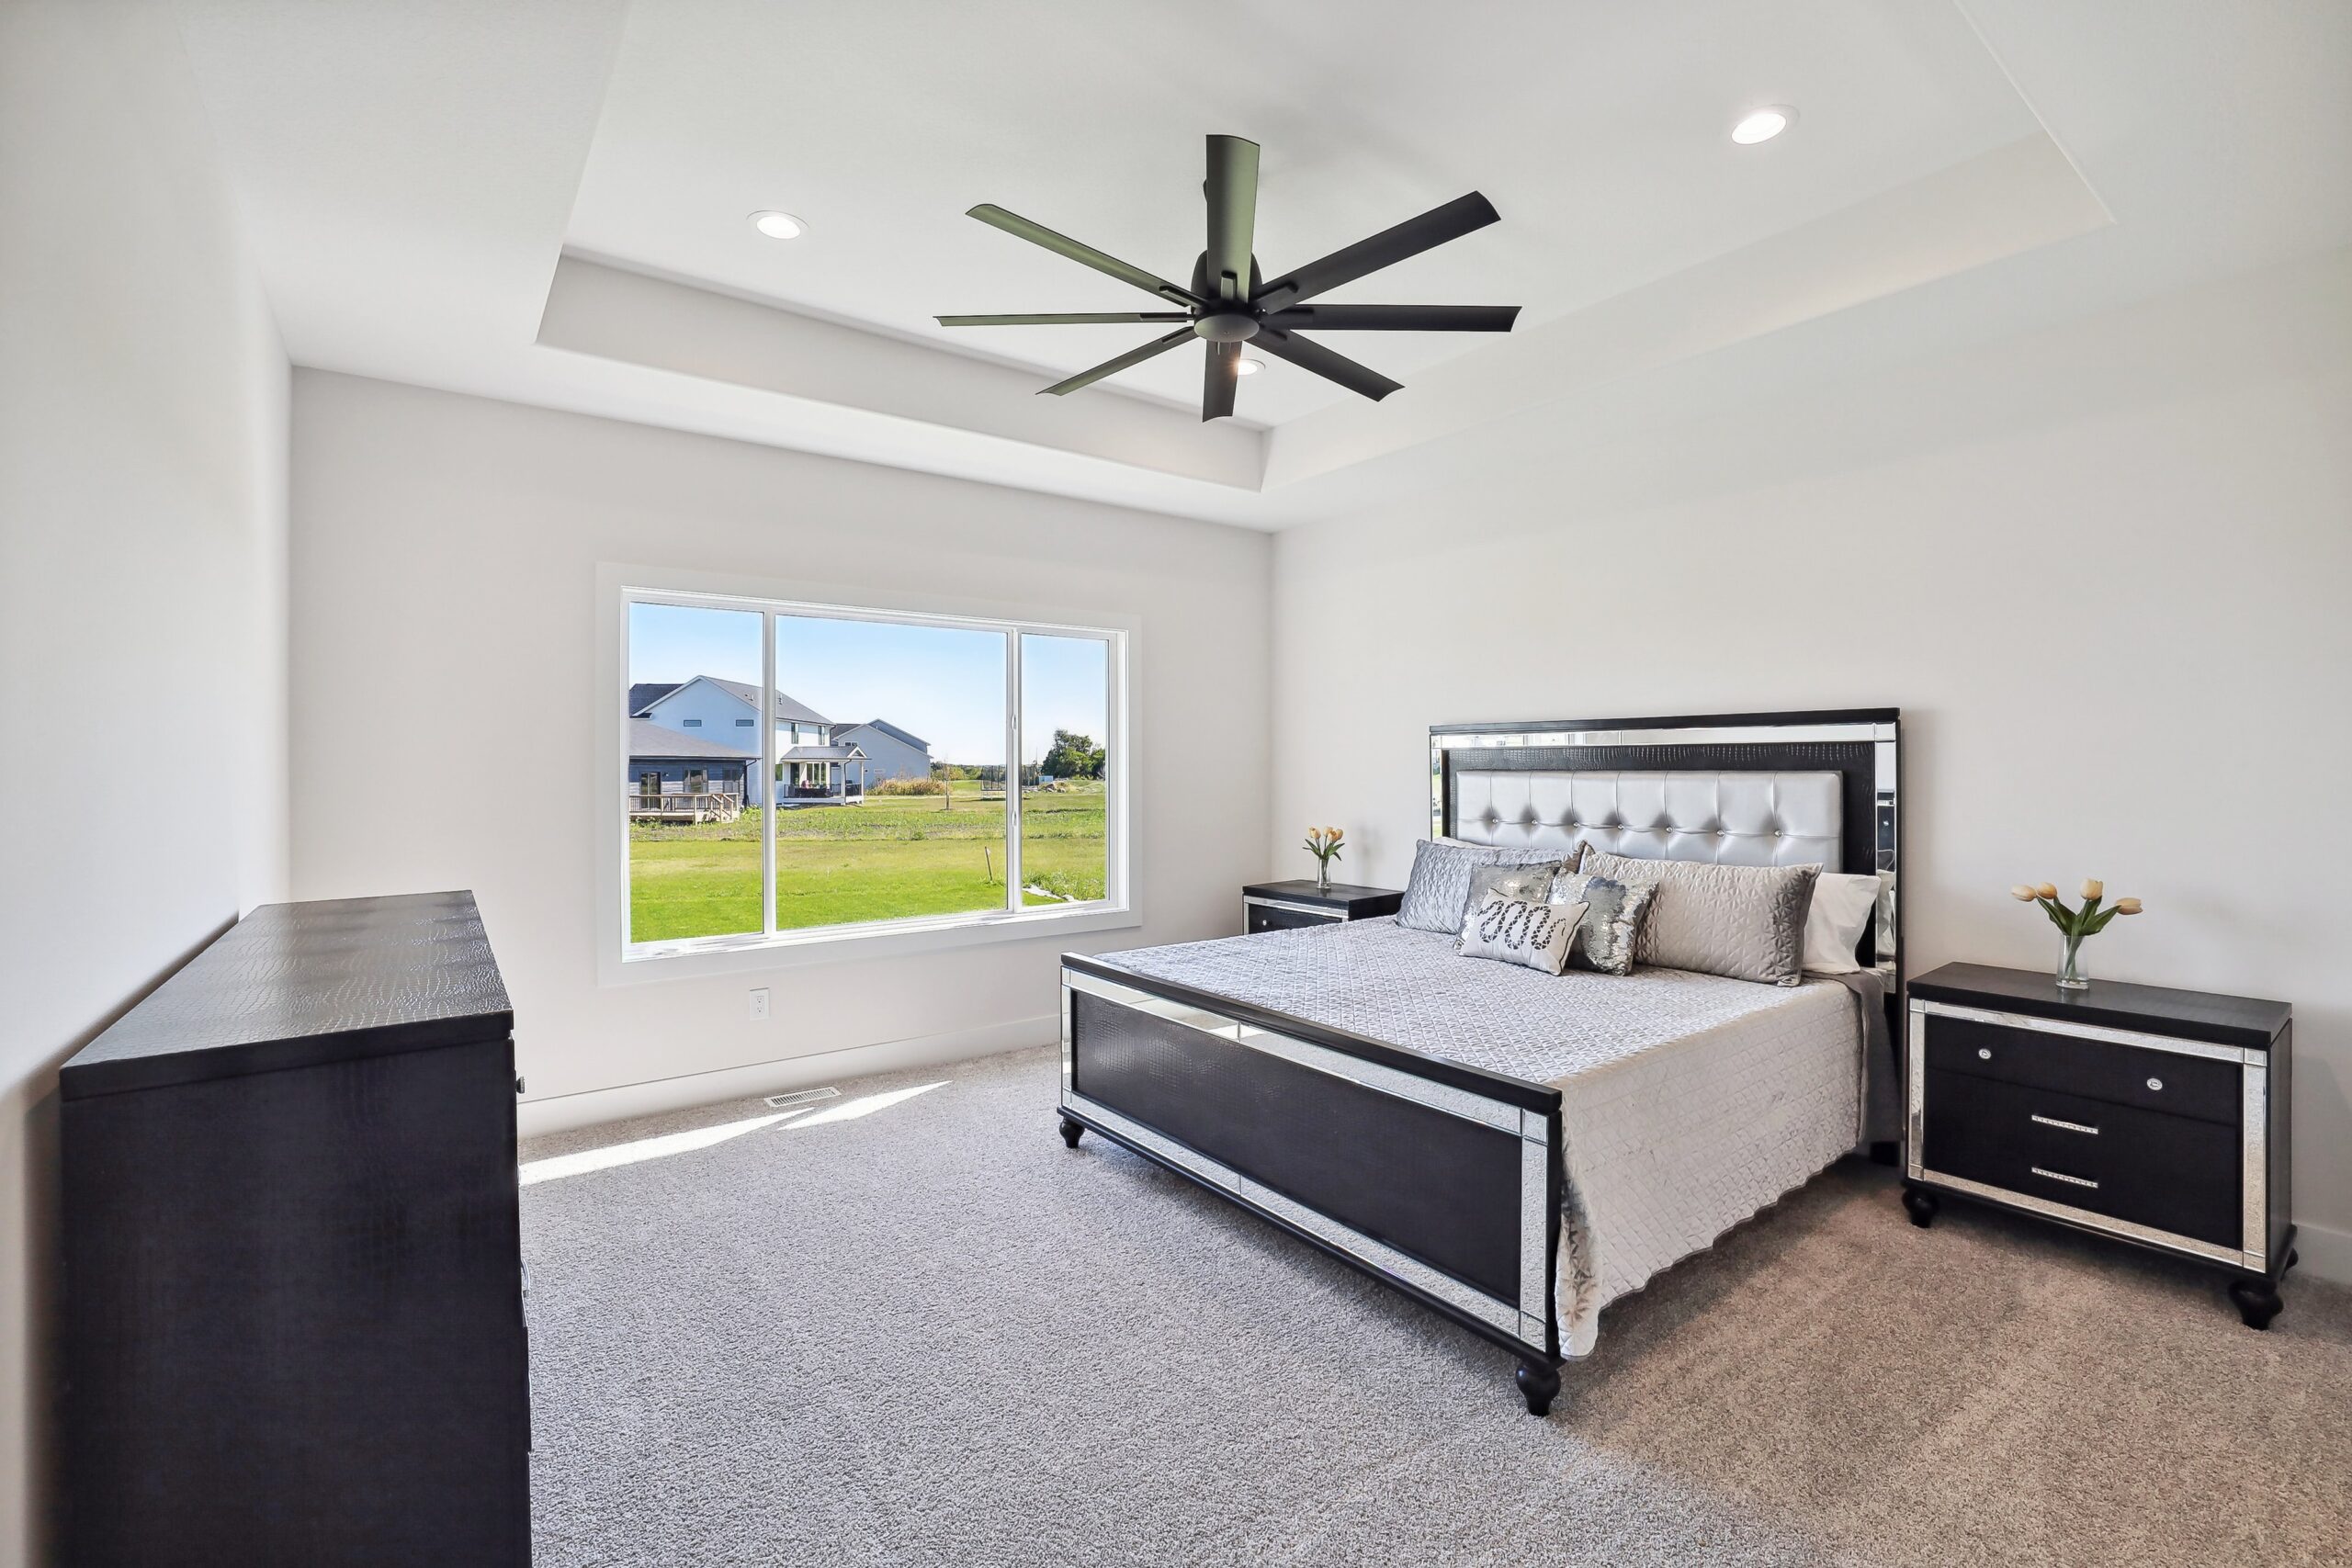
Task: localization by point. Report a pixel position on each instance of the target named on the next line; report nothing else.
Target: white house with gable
(812, 765)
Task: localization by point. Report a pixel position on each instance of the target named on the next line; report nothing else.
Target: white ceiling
(416, 176)
(1596, 128)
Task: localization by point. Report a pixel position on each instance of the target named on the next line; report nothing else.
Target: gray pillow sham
(1742, 922)
(1438, 891)
(1615, 912)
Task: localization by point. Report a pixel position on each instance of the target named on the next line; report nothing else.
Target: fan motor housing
(1228, 326)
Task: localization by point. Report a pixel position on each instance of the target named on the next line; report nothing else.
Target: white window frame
(620, 962)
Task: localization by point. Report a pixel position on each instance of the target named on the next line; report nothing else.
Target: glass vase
(2072, 975)
(1322, 875)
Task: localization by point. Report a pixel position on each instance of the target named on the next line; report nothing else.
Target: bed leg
(1072, 1130)
(1540, 1382)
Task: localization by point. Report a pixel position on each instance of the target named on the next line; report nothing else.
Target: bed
(1512, 1149)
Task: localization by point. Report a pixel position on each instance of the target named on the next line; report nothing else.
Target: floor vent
(800, 1097)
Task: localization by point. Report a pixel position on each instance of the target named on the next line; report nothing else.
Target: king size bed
(1510, 1147)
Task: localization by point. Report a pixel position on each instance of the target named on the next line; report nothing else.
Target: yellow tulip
(2047, 890)
(2023, 893)
(2092, 887)
(2128, 906)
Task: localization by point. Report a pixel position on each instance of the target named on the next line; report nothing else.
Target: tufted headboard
(1745, 789)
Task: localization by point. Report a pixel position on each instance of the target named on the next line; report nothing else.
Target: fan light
(778, 225)
(1249, 367)
(1763, 125)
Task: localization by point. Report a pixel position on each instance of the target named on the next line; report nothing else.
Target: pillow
(1532, 883)
(1567, 858)
(1612, 922)
(1521, 931)
(1742, 922)
(1842, 908)
(1438, 893)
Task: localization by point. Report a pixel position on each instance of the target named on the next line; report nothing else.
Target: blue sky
(943, 683)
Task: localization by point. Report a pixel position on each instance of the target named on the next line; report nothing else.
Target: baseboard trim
(2323, 1252)
(561, 1112)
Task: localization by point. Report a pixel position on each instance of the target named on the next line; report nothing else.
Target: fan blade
(1222, 374)
(1395, 318)
(1062, 244)
(1233, 214)
(1324, 363)
(1069, 319)
(1410, 238)
(1113, 366)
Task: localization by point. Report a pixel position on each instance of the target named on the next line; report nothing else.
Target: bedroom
(365, 364)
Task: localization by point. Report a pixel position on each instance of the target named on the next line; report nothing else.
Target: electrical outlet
(759, 1004)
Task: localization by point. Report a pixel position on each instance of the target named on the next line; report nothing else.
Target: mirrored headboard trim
(1863, 745)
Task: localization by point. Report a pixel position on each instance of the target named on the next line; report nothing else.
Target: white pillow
(1521, 931)
(1842, 908)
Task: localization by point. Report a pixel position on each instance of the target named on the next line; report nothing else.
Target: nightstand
(1281, 906)
(2154, 1116)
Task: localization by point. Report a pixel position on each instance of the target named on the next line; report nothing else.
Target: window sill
(741, 955)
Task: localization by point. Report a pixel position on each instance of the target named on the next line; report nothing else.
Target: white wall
(2105, 571)
(142, 603)
(444, 560)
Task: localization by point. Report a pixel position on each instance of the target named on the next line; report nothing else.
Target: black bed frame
(1438, 1179)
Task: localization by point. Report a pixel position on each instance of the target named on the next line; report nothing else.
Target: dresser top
(2109, 1004)
(296, 984)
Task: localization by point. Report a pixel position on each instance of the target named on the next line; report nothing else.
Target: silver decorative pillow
(1742, 922)
(1615, 912)
(1438, 891)
(1532, 883)
(1518, 931)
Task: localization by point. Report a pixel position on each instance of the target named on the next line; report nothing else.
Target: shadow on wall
(35, 1099)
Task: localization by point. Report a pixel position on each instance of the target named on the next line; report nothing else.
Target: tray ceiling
(547, 201)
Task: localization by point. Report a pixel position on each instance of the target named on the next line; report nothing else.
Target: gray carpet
(928, 1334)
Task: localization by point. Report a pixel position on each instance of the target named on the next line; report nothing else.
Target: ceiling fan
(1230, 305)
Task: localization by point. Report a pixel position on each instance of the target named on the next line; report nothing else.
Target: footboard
(1438, 1179)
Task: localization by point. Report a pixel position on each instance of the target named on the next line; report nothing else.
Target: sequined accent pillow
(1520, 931)
(1612, 920)
(1532, 883)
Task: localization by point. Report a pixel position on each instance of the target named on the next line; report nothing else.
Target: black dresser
(2157, 1116)
(292, 1318)
(1280, 905)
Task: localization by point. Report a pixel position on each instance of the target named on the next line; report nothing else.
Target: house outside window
(904, 764)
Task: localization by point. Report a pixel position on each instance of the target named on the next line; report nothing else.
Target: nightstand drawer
(2166, 1081)
(1266, 916)
(2172, 1173)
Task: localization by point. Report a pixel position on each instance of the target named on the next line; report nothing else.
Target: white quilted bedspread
(1688, 1101)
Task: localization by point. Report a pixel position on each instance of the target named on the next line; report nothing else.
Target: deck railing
(681, 805)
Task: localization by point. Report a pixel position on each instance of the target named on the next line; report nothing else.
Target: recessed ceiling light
(1249, 367)
(1763, 125)
(778, 225)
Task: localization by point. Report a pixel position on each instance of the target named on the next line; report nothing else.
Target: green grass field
(893, 857)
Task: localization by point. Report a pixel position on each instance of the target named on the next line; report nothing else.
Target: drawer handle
(1983, 1053)
(2062, 1176)
(2156, 1083)
(2065, 1126)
